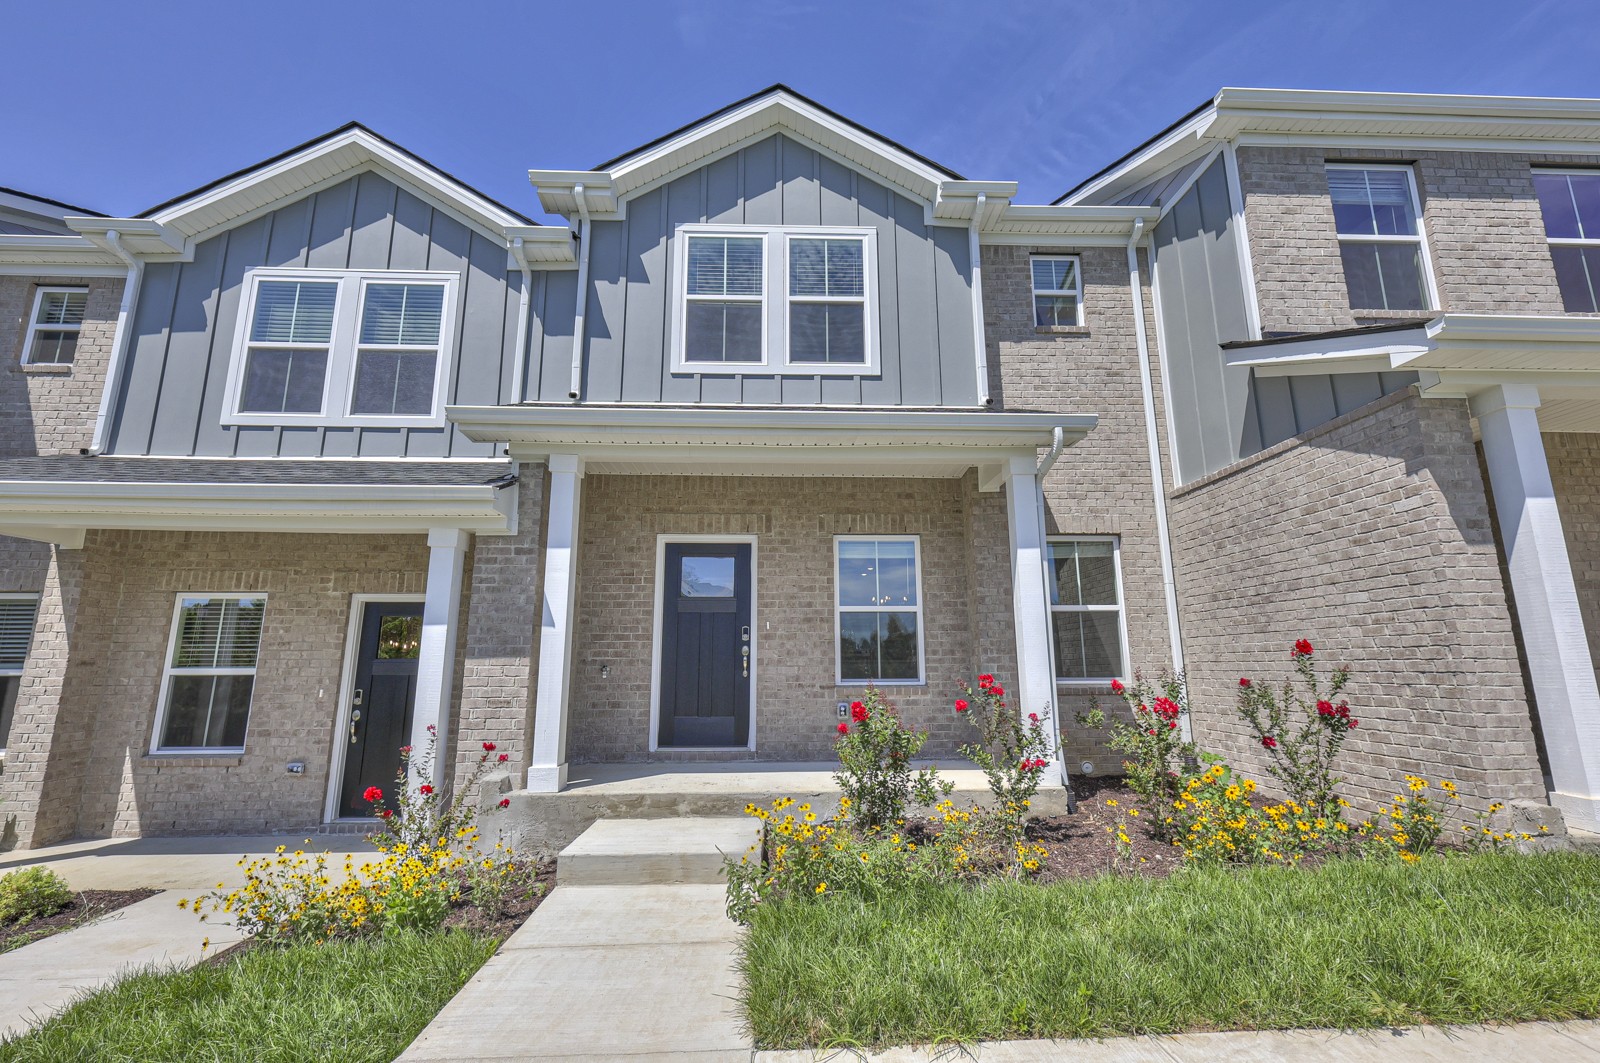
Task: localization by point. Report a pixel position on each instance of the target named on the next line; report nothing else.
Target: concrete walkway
(42, 977)
(190, 863)
(637, 962)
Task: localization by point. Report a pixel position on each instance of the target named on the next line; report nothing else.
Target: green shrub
(32, 893)
(875, 764)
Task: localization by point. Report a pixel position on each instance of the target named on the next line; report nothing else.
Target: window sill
(1061, 330)
(1383, 317)
(827, 369)
(46, 368)
(861, 684)
(206, 759)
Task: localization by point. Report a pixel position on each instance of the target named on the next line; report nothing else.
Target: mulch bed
(1084, 845)
(90, 904)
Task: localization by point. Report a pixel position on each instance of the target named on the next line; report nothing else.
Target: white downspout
(1058, 443)
(120, 338)
(519, 366)
(1169, 585)
(979, 341)
(575, 391)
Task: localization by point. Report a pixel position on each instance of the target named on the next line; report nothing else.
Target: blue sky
(121, 105)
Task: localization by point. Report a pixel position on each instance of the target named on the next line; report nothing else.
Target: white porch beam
(547, 772)
(436, 657)
(1564, 687)
(1035, 682)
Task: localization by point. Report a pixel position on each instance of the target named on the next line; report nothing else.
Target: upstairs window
(775, 299)
(1376, 212)
(342, 347)
(54, 326)
(17, 615)
(1570, 201)
(1057, 291)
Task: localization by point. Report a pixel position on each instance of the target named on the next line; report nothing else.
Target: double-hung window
(54, 326)
(211, 672)
(878, 587)
(1570, 201)
(17, 614)
(1086, 609)
(1057, 291)
(342, 347)
(1376, 213)
(775, 299)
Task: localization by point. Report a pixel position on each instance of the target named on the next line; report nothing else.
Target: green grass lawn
(1488, 938)
(348, 1001)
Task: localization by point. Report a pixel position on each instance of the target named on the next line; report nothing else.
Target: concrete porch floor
(547, 823)
(178, 862)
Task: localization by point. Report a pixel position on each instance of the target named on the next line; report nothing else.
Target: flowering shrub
(875, 763)
(1011, 751)
(1216, 820)
(1157, 758)
(428, 861)
(1412, 823)
(1302, 733)
(806, 857)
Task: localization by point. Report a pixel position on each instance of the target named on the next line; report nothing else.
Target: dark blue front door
(706, 646)
(381, 703)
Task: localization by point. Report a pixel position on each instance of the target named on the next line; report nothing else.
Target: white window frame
(1430, 291)
(35, 327)
(1075, 292)
(775, 301)
(168, 672)
(16, 673)
(1121, 609)
(839, 609)
(344, 346)
(1571, 241)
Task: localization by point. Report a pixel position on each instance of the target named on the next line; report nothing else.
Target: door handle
(354, 716)
(745, 653)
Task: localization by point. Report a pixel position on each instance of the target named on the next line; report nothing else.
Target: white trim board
(662, 541)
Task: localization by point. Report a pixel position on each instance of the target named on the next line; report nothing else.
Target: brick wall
(794, 520)
(1574, 459)
(96, 732)
(49, 409)
(1484, 230)
(1102, 485)
(1371, 537)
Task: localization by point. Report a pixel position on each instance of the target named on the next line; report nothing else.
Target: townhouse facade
(336, 450)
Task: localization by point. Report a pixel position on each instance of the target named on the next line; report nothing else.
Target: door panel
(382, 699)
(707, 646)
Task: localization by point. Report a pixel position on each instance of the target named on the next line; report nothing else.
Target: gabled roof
(1403, 120)
(777, 108)
(301, 169)
(18, 201)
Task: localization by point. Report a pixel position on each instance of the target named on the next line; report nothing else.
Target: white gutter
(1169, 585)
(575, 390)
(979, 341)
(120, 339)
(1058, 443)
(519, 366)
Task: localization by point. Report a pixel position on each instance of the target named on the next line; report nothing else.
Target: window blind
(62, 308)
(294, 312)
(218, 633)
(16, 631)
(822, 267)
(398, 315)
(725, 265)
(1055, 274)
(1371, 202)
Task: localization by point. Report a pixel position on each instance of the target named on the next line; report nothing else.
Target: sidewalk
(43, 977)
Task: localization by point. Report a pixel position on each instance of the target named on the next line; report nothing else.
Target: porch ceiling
(768, 440)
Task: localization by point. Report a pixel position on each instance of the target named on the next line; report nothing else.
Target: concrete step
(655, 852)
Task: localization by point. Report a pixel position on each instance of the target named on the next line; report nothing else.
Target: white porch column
(1547, 599)
(547, 771)
(436, 657)
(1035, 681)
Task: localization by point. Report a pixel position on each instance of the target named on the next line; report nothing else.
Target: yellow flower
(822, 887)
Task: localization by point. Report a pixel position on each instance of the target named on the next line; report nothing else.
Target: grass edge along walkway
(1353, 944)
(361, 1000)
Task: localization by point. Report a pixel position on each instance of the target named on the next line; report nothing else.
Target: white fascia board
(140, 236)
(1167, 152)
(814, 429)
(72, 255)
(1023, 223)
(261, 507)
(1495, 343)
(777, 110)
(956, 200)
(558, 191)
(1407, 104)
(543, 246)
(336, 157)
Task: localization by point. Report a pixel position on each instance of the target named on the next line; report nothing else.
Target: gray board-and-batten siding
(923, 273)
(1221, 413)
(175, 376)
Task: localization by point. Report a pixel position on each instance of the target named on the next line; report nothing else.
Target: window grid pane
(218, 633)
(17, 616)
(404, 315)
(1372, 202)
(827, 267)
(294, 312)
(54, 347)
(62, 308)
(394, 383)
(1055, 274)
(725, 265)
(283, 381)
